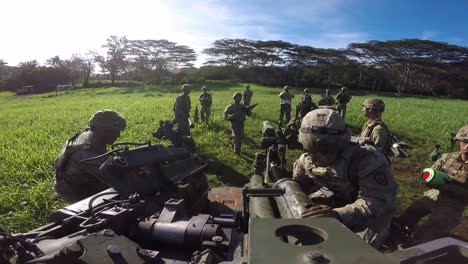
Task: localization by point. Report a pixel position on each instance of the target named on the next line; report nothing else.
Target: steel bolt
(217, 239)
(114, 249)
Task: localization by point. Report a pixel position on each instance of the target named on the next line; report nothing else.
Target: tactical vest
(456, 168)
(370, 129)
(62, 160)
(342, 176)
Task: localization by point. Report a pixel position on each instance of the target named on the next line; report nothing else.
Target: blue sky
(39, 30)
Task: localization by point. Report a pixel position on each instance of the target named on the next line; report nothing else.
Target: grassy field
(34, 128)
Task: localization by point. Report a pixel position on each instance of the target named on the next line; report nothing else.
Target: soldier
(305, 105)
(182, 107)
(343, 98)
(350, 182)
(247, 95)
(75, 181)
(375, 129)
(444, 203)
(327, 99)
(285, 104)
(236, 113)
(205, 102)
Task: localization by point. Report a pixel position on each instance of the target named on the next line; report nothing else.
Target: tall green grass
(34, 128)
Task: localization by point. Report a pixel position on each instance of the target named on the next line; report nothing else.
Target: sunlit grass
(34, 128)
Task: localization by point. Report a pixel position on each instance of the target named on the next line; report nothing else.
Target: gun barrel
(294, 201)
(259, 207)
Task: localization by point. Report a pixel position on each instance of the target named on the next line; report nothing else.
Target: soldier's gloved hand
(320, 211)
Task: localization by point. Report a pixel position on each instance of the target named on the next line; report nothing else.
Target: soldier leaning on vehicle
(74, 180)
(362, 192)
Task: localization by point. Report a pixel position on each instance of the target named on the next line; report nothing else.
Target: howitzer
(170, 220)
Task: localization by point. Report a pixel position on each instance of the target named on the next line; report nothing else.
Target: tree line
(399, 66)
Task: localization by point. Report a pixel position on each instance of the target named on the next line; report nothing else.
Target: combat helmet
(306, 91)
(185, 88)
(236, 94)
(462, 134)
(108, 120)
(286, 88)
(323, 131)
(374, 103)
(344, 89)
(204, 88)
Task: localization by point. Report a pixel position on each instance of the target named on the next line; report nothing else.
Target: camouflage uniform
(75, 181)
(377, 132)
(247, 95)
(305, 105)
(182, 107)
(444, 204)
(343, 99)
(205, 102)
(365, 191)
(326, 99)
(285, 104)
(236, 114)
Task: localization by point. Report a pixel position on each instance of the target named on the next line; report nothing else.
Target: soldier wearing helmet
(205, 102)
(375, 129)
(327, 99)
(305, 105)
(350, 182)
(285, 104)
(444, 203)
(182, 107)
(343, 97)
(247, 95)
(236, 114)
(75, 181)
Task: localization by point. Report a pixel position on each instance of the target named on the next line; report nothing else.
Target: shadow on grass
(228, 175)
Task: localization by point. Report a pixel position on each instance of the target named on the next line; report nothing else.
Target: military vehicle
(160, 210)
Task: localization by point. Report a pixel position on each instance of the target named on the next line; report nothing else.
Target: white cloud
(428, 34)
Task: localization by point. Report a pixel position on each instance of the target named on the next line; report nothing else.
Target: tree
(115, 62)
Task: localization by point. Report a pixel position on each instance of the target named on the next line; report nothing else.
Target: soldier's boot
(202, 115)
(237, 146)
(411, 216)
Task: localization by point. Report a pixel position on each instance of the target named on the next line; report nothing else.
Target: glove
(320, 211)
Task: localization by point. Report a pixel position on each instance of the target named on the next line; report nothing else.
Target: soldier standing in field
(285, 104)
(343, 98)
(205, 102)
(236, 114)
(327, 99)
(444, 203)
(75, 181)
(305, 105)
(350, 182)
(182, 107)
(247, 95)
(375, 129)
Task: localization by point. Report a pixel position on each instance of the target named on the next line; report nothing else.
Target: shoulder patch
(380, 178)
